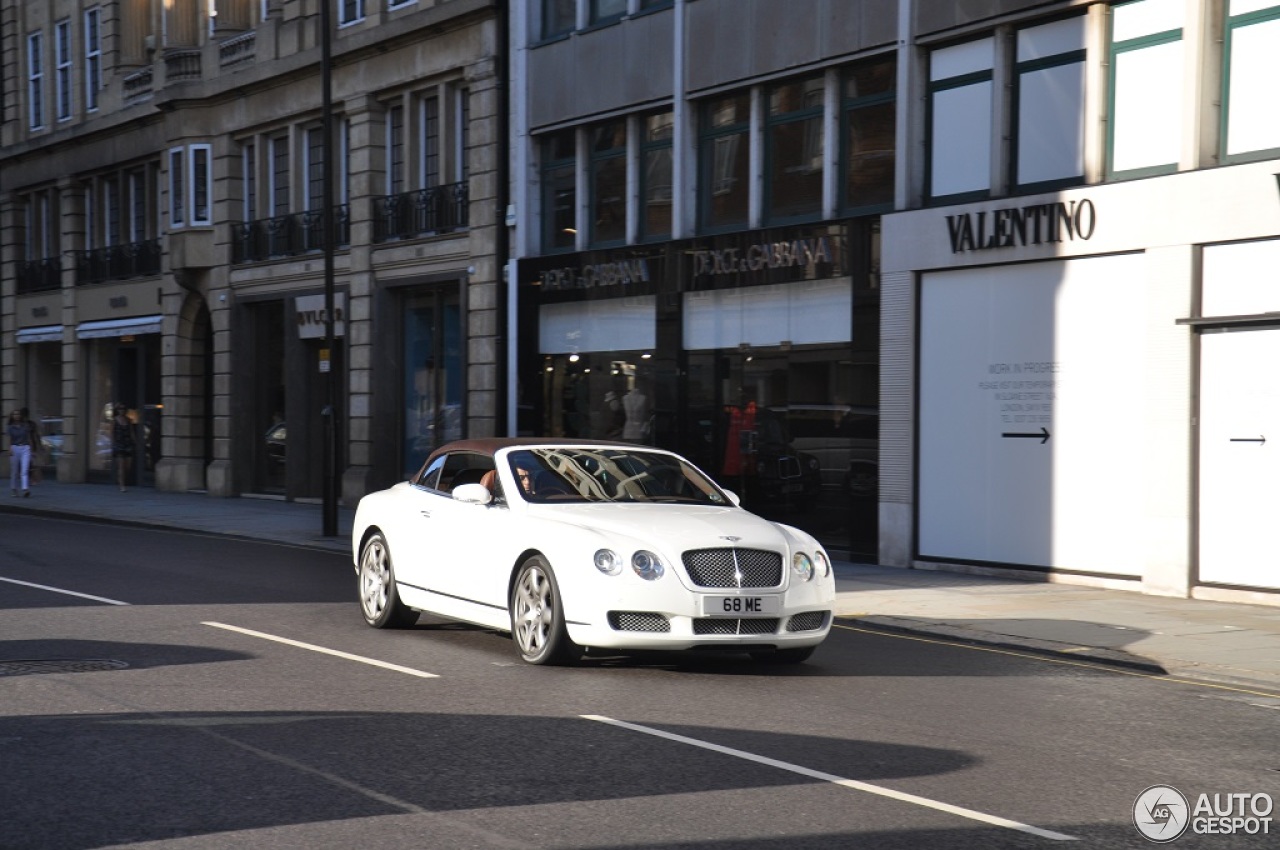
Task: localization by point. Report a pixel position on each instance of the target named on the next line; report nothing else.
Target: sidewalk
(1211, 641)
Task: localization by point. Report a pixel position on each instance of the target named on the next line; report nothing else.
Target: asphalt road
(167, 690)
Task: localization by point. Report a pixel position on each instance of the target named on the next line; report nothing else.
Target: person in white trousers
(19, 453)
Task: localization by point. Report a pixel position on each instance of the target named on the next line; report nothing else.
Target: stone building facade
(163, 235)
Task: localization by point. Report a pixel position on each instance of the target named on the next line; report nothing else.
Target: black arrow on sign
(1042, 436)
(1258, 440)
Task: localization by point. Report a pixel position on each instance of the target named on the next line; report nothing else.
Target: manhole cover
(58, 665)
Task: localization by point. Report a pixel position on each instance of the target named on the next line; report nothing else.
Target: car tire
(537, 616)
(379, 600)
(796, 655)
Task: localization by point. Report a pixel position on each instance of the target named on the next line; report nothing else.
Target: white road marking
(853, 784)
(337, 653)
(63, 591)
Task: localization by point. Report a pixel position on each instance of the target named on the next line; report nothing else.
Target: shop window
(794, 151)
(1146, 93)
(608, 176)
(62, 69)
(559, 17)
(1050, 79)
(190, 186)
(961, 93)
(656, 175)
(869, 135)
(92, 57)
(35, 80)
(559, 191)
(724, 163)
(1252, 58)
(604, 11)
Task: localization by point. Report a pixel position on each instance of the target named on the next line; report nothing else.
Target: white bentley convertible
(573, 546)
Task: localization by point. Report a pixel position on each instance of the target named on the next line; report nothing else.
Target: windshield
(610, 475)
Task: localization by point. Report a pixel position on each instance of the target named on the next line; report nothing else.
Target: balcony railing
(118, 262)
(138, 84)
(181, 64)
(39, 275)
(287, 235)
(238, 49)
(439, 209)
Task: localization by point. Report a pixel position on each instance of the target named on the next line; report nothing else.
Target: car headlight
(822, 563)
(647, 565)
(608, 562)
(802, 566)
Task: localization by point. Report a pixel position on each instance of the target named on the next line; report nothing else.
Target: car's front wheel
(379, 600)
(537, 616)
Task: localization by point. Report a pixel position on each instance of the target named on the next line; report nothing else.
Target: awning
(119, 327)
(44, 333)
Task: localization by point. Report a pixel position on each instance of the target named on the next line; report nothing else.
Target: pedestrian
(19, 453)
(37, 448)
(121, 444)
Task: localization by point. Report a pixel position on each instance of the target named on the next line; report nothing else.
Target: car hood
(675, 526)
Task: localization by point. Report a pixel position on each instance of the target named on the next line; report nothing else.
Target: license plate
(741, 606)
(793, 487)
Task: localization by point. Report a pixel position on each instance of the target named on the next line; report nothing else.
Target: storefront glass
(433, 377)
(123, 370)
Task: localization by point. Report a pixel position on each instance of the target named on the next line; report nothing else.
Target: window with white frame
(62, 69)
(1252, 58)
(396, 4)
(1144, 133)
(961, 92)
(41, 219)
(350, 11)
(35, 80)
(92, 57)
(191, 186)
(1050, 80)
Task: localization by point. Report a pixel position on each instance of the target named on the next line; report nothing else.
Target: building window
(92, 57)
(396, 4)
(724, 164)
(1251, 120)
(429, 146)
(395, 150)
(35, 79)
(1146, 92)
(190, 186)
(559, 17)
(350, 11)
(960, 109)
(794, 150)
(603, 11)
(655, 4)
(62, 69)
(608, 177)
(111, 229)
(137, 185)
(461, 123)
(869, 135)
(177, 187)
(279, 200)
(1050, 80)
(656, 176)
(559, 192)
(249, 180)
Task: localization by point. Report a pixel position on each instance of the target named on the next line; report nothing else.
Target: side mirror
(733, 497)
(473, 494)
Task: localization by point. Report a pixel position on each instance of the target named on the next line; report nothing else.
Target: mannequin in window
(636, 406)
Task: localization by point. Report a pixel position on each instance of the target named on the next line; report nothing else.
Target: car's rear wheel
(379, 600)
(795, 655)
(537, 616)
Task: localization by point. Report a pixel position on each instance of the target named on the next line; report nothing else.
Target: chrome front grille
(721, 626)
(733, 567)
(638, 621)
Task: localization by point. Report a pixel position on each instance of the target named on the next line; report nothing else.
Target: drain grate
(26, 667)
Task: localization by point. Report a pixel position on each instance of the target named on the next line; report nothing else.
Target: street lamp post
(329, 362)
